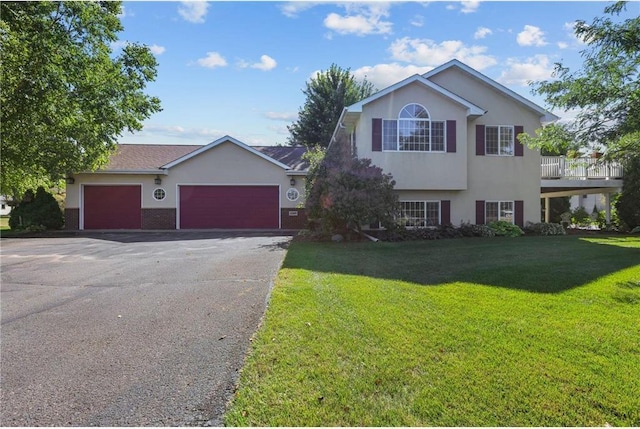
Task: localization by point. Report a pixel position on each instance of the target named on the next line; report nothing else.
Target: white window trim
(429, 120)
(513, 209)
(424, 218)
(159, 189)
(513, 141)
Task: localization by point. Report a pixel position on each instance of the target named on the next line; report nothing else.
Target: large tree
(65, 95)
(327, 95)
(606, 90)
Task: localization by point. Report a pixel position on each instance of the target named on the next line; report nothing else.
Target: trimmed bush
(542, 228)
(37, 212)
(502, 228)
(470, 230)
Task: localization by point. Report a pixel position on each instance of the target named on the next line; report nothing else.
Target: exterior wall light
(292, 182)
(157, 180)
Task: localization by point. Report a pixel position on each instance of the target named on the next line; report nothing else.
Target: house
(5, 208)
(225, 184)
(449, 138)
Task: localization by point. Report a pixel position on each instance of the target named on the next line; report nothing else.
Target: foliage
(628, 203)
(65, 96)
(502, 228)
(314, 156)
(552, 140)
(580, 217)
(543, 228)
(454, 333)
(405, 234)
(606, 91)
(471, 230)
(327, 94)
(37, 212)
(347, 192)
(557, 206)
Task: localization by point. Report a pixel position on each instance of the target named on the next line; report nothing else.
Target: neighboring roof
(153, 158)
(289, 155)
(472, 109)
(546, 115)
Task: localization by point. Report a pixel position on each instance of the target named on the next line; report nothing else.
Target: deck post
(607, 207)
(547, 210)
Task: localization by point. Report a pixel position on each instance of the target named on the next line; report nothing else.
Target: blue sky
(239, 68)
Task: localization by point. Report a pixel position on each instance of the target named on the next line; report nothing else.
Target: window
(499, 210)
(159, 194)
(413, 131)
(499, 140)
(419, 214)
(293, 194)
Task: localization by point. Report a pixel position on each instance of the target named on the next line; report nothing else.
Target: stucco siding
(417, 170)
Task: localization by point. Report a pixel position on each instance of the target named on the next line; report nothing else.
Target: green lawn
(531, 331)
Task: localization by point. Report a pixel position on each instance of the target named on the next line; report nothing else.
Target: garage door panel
(112, 207)
(229, 207)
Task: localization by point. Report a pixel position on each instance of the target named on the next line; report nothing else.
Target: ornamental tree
(346, 192)
(65, 96)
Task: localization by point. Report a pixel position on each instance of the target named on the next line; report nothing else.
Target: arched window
(413, 131)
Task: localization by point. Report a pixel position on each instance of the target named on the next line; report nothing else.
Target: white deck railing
(561, 167)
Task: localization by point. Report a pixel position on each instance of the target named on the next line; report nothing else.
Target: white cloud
(482, 32)
(266, 63)
(417, 21)
(470, 6)
(193, 11)
(360, 19)
(532, 69)
(124, 12)
(429, 53)
(281, 116)
(384, 75)
(118, 44)
(156, 49)
(531, 36)
(212, 60)
(293, 8)
(563, 45)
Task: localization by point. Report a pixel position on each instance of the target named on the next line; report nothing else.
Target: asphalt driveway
(129, 329)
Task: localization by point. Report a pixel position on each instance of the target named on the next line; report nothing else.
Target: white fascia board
(546, 115)
(220, 141)
(472, 109)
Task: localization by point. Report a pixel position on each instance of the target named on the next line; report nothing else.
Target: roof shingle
(136, 157)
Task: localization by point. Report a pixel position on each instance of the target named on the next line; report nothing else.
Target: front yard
(531, 331)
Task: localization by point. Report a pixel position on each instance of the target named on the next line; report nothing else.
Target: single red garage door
(112, 207)
(229, 207)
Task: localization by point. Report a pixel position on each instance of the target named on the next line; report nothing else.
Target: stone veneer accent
(158, 218)
(72, 219)
(289, 220)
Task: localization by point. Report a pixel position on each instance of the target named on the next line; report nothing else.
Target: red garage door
(229, 207)
(112, 207)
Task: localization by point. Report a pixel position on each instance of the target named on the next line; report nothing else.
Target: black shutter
(376, 135)
(451, 136)
(518, 147)
(480, 140)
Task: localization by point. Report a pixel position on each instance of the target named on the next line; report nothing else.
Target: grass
(533, 331)
(4, 223)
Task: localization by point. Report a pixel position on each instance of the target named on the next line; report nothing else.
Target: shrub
(628, 202)
(470, 230)
(37, 212)
(542, 228)
(503, 228)
(580, 217)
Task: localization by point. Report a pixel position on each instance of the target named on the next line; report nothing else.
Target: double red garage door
(229, 207)
(120, 207)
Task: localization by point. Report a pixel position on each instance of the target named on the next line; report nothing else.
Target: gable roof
(472, 109)
(544, 114)
(157, 158)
